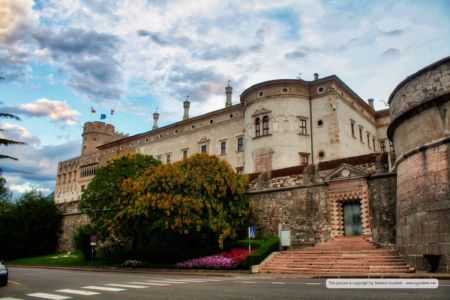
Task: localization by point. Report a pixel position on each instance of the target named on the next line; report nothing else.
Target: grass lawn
(70, 259)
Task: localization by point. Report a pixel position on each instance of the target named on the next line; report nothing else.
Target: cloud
(295, 54)
(58, 111)
(37, 164)
(391, 53)
(16, 21)
(395, 32)
(19, 133)
(89, 58)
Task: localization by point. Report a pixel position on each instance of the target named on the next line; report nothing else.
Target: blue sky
(60, 58)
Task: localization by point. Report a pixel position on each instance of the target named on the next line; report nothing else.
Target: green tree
(5, 141)
(198, 194)
(4, 192)
(104, 196)
(28, 227)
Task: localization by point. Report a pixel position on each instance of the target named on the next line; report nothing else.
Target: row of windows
(62, 177)
(265, 121)
(204, 149)
(88, 171)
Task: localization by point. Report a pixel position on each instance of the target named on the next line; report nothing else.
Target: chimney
(316, 76)
(155, 120)
(228, 91)
(186, 105)
(370, 100)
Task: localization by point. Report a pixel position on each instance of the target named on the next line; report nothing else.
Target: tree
(5, 141)
(28, 227)
(201, 193)
(4, 192)
(104, 197)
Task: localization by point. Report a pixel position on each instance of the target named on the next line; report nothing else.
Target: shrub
(116, 250)
(81, 240)
(224, 260)
(29, 226)
(268, 246)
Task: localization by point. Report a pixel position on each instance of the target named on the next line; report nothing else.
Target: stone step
(340, 271)
(344, 255)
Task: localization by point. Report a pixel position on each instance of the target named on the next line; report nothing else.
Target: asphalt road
(37, 283)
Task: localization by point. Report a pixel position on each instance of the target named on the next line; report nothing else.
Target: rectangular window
(158, 157)
(383, 146)
(240, 170)
(303, 128)
(352, 124)
(361, 135)
(265, 125)
(82, 188)
(223, 148)
(168, 158)
(240, 144)
(185, 154)
(257, 127)
(368, 140)
(203, 148)
(373, 143)
(304, 158)
(391, 146)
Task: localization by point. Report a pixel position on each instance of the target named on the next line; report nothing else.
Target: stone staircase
(344, 256)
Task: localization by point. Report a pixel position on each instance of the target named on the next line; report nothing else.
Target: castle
(318, 156)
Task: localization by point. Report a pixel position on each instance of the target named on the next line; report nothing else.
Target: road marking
(77, 292)
(149, 283)
(311, 283)
(127, 286)
(48, 296)
(166, 281)
(247, 282)
(9, 298)
(103, 288)
(187, 280)
(278, 282)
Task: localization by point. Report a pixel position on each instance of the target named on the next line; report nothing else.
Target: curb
(234, 273)
(142, 271)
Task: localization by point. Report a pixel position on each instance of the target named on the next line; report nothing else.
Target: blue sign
(251, 232)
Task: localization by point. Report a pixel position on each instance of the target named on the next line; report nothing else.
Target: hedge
(268, 246)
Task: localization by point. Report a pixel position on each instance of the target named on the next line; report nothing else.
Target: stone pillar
(370, 100)
(155, 120)
(316, 76)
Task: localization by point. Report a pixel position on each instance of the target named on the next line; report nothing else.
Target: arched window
(265, 121)
(257, 127)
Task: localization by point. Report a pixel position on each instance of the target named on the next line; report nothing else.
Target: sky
(60, 58)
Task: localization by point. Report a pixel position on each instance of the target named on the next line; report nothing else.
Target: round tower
(273, 113)
(94, 135)
(420, 129)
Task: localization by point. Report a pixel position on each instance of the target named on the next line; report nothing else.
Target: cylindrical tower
(95, 134)
(274, 112)
(420, 129)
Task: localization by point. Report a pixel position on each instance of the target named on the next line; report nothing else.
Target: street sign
(93, 240)
(251, 232)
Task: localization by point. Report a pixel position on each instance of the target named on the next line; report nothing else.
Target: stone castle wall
(303, 210)
(382, 202)
(423, 207)
(420, 129)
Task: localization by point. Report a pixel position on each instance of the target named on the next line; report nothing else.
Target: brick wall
(423, 207)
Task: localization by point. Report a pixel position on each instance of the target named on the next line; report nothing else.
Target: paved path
(38, 284)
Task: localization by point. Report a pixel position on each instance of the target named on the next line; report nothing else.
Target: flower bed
(221, 261)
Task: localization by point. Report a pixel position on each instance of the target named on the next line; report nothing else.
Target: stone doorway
(352, 219)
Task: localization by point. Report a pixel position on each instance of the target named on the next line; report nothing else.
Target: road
(38, 284)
